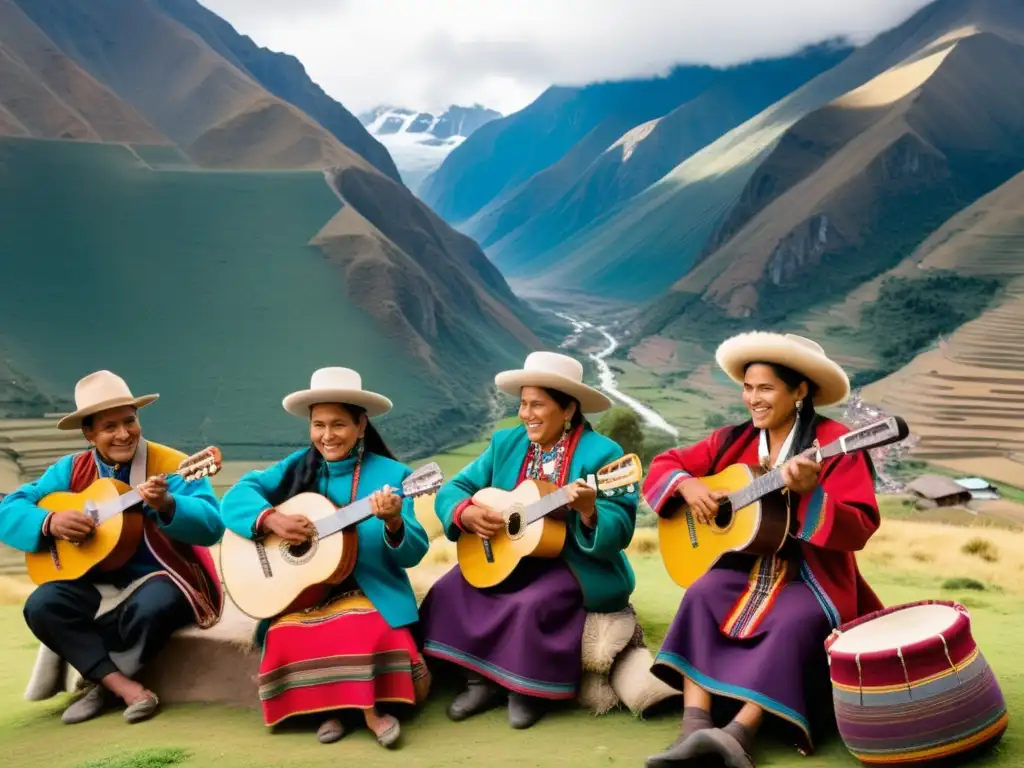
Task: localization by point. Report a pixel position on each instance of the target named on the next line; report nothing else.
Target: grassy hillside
(200, 286)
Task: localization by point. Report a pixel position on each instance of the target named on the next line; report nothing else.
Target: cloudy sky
(427, 54)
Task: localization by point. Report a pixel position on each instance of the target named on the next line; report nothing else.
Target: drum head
(894, 630)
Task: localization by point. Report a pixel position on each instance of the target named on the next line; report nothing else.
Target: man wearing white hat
(106, 625)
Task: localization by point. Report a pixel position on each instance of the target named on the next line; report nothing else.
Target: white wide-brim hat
(335, 385)
(101, 391)
(802, 355)
(553, 371)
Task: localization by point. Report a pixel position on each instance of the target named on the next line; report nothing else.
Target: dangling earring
(360, 445)
(568, 426)
(799, 405)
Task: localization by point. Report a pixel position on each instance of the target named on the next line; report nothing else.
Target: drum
(911, 687)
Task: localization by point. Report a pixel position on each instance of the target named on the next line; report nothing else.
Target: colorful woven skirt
(339, 656)
(781, 667)
(525, 634)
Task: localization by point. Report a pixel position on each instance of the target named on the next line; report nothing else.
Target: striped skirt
(342, 655)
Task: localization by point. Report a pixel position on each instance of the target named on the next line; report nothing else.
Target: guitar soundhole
(296, 554)
(514, 524)
(724, 516)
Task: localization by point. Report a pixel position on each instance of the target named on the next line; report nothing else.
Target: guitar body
(111, 545)
(690, 549)
(543, 538)
(270, 577)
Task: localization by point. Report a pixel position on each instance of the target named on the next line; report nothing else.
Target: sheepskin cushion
(596, 693)
(605, 635)
(633, 683)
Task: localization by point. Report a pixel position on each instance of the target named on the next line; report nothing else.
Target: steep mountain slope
(505, 153)
(428, 287)
(283, 76)
(670, 223)
(637, 158)
(195, 96)
(46, 95)
(418, 141)
(905, 160)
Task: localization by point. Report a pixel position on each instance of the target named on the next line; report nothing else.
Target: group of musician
(748, 635)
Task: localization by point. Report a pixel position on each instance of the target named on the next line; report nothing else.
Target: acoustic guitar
(531, 530)
(268, 576)
(755, 517)
(116, 509)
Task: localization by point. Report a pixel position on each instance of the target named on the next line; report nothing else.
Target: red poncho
(831, 523)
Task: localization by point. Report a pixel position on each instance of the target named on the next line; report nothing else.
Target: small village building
(981, 489)
(938, 491)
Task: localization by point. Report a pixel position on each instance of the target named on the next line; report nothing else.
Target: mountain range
(794, 193)
(420, 141)
(192, 211)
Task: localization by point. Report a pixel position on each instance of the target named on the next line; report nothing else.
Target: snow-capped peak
(420, 141)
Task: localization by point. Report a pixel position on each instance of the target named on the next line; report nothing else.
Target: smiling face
(334, 430)
(115, 433)
(771, 402)
(543, 417)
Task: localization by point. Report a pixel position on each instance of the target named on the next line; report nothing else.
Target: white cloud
(427, 55)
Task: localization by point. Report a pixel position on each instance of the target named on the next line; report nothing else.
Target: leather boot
(479, 696)
(523, 711)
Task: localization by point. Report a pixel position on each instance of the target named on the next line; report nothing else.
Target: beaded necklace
(539, 459)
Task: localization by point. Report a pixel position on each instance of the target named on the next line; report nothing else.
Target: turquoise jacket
(196, 520)
(596, 557)
(380, 566)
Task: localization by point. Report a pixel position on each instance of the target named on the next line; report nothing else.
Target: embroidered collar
(763, 454)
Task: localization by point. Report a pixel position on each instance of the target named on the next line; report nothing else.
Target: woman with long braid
(752, 629)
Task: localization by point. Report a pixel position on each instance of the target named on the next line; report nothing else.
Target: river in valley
(606, 376)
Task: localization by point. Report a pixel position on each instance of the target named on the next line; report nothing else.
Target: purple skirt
(526, 634)
(782, 668)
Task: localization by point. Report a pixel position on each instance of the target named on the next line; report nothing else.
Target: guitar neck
(546, 505)
(347, 516)
(124, 502)
(772, 481)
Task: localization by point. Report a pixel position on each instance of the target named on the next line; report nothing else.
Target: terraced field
(966, 398)
(29, 446)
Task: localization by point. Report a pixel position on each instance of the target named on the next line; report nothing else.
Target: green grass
(197, 735)
(198, 285)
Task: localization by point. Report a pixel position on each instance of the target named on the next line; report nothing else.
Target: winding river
(649, 416)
